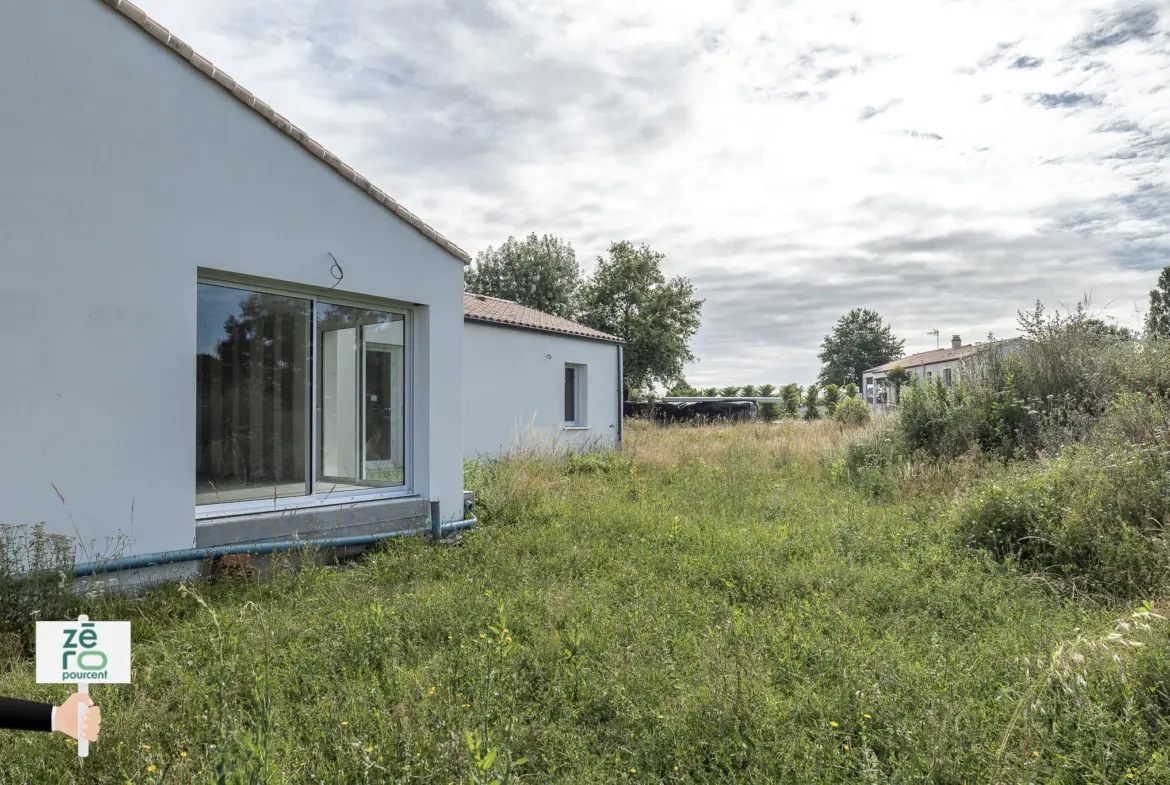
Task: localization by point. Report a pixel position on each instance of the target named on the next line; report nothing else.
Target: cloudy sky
(945, 162)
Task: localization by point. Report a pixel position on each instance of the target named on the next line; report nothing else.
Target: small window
(574, 405)
(947, 377)
(928, 375)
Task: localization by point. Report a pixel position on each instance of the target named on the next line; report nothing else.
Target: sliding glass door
(297, 396)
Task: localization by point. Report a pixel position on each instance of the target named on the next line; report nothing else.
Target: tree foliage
(1158, 317)
(859, 341)
(539, 272)
(729, 392)
(851, 390)
(791, 395)
(831, 397)
(628, 296)
(812, 403)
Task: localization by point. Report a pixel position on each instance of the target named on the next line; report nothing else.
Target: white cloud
(1019, 152)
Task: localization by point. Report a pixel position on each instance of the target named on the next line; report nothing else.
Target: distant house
(944, 364)
(531, 379)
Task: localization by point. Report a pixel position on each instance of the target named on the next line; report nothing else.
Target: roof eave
(612, 340)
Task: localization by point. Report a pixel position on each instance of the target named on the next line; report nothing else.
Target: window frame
(580, 420)
(313, 500)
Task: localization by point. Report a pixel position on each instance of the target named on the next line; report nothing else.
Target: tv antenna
(936, 340)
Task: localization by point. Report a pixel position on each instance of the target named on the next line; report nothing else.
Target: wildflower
(867, 716)
(659, 716)
(369, 749)
(152, 769)
(833, 723)
(508, 639)
(846, 747)
(183, 754)
(146, 746)
(1035, 754)
(344, 724)
(633, 771)
(482, 636)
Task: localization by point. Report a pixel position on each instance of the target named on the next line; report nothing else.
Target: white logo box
(76, 652)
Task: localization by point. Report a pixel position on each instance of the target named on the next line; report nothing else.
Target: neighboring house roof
(934, 356)
(281, 123)
(481, 308)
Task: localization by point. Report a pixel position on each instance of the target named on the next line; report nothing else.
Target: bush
(1095, 515)
(853, 412)
(36, 581)
(871, 456)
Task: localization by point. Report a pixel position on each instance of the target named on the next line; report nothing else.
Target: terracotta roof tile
(136, 15)
(481, 308)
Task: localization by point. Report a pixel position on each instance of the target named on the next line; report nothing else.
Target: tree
(628, 296)
(729, 392)
(897, 376)
(791, 395)
(859, 341)
(812, 402)
(1158, 318)
(831, 397)
(709, 392)
(768, 411)
(851, 390)
(681, 388)
(748, 391)
(540, 272)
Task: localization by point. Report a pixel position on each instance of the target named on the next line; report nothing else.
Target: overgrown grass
(710, 607)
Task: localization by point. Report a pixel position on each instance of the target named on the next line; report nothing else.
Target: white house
(944, 364)
(213, 330)
(532, 379)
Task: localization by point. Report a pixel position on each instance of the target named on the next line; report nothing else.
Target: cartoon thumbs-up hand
(65, 718)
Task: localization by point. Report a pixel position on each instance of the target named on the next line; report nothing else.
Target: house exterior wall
(135, 173)
(874, 380)
(514, 390)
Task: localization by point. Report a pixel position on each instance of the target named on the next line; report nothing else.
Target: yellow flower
(183, 754)
(431, 691)
(152, 769)
(1035, 754)
(633, 771)
(505, 630)
(344, 724)
(676, 768)
(867, 716)
(508, 639)
(659, 716)
(481, 635)
(369, 749)
(833, 723)
(846, 747)
(146, 746)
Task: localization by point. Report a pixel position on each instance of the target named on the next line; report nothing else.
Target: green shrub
(853, 412)
(36, 581)
(831, 397)
(871, 456)
(1095, 515)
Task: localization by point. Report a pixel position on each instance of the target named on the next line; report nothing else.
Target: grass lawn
(715, 610)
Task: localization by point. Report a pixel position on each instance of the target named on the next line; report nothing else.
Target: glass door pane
(252, 405)
(361, 403)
